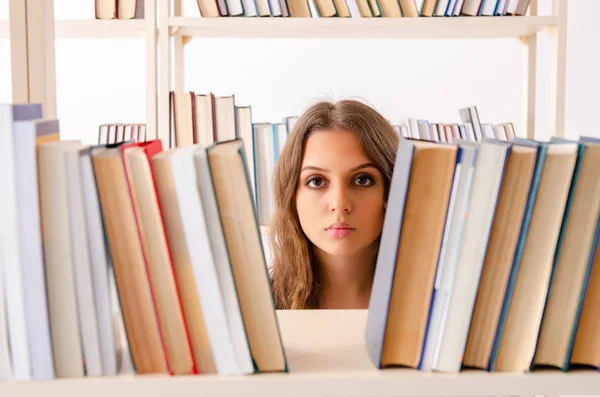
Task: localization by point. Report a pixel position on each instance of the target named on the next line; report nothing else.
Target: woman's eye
(364, 180)
(315, 182)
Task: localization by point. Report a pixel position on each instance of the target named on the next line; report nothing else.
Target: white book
(18, 350)
(222, 264)
(249, 8)
(5, 359)
(30, 246)
(5, 366)
(275, 7)
(419, 4)
(234, 8)
(263, 7)
(282, 134)
(84, 287)
(99, 263)
(14, 349)
(353, 9)
(201, 259)
(488, 7)
(453, 232)
(58, 259)
(488, 131)
(450, 8)
(511, 7)
(264, 157)
(458, 7)
(222, 4)
(290, 121)
(499, 132)
(487, 180)
(314, 9)
(413, 128)
(440, 8)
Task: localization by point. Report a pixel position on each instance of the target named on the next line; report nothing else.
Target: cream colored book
(58, 259)
(519, 335)
(240, 228)
(500, 251)
(127, 258)
(564, 298)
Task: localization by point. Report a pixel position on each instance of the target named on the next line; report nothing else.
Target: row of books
(447, 132)
(488, 257)
(128, 258)
(119, 132)
(119, 9)
(207, 118)
(360, 8)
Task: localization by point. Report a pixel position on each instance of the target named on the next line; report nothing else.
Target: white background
(103, 80)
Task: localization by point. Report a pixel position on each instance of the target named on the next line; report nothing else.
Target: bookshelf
(330, 362)
(325, 349)
(175, 31)
(90, 29)
(357, 28)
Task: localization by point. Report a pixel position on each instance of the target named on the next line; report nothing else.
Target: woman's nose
(339, 200)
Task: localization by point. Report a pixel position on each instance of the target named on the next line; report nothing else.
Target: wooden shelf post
(32, 53)
(559, 70)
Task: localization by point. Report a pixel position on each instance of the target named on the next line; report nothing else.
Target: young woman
(330, 187)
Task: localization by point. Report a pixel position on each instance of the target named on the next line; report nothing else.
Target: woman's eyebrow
(310, 167)
(358, 167)
(365, 165)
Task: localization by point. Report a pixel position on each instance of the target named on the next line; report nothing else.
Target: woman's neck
(347, 280)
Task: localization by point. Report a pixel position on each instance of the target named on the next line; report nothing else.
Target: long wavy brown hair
(295, 277)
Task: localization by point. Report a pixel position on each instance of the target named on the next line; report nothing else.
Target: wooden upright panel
(18, 51)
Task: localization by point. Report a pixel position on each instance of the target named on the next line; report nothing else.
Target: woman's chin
(342, 248)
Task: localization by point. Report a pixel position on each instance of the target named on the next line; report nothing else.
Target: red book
(137, 159)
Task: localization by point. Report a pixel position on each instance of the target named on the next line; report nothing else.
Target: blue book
(381, 291)
(390, 342)
(539, 167)
(594, 252)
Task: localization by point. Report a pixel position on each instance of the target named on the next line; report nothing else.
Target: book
(517, 339)
(59, 261)
(457, 208)
(487, 180)
(511, 213)
(240, 226)
(137, 158)
(13, 334)
(571, 261)
(409, 252)
(135, 298)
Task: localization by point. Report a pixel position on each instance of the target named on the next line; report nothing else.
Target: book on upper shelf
(119, 9)
(361, 8)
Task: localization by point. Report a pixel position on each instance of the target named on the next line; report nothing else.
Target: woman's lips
(339, 232)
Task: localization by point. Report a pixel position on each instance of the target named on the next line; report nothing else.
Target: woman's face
(340, 194)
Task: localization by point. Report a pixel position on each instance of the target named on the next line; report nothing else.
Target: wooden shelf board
(367, 28)
(97, 28)
(327, 356)
(93, 28)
